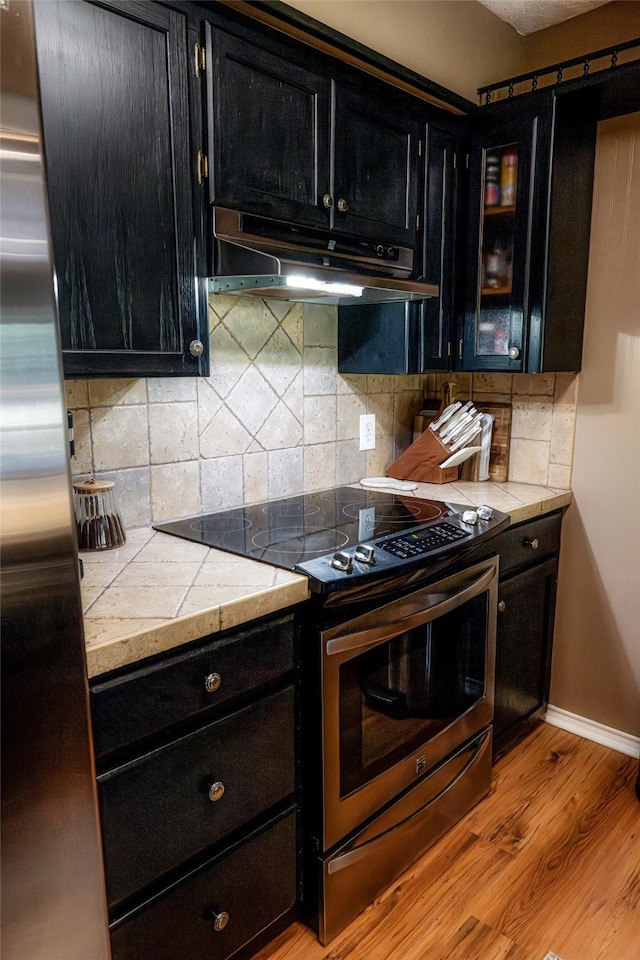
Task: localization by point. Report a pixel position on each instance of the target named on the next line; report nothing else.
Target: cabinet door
(269, 126)
(375, 167)
(383, 338)
(442, 169)
(501, 175)
(115, 109)
(526, 607)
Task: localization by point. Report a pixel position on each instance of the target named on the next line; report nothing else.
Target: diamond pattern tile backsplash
(275, 418)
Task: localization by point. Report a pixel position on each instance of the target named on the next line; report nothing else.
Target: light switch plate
(367, 431)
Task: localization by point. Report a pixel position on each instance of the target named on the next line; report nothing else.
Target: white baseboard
(590, 730)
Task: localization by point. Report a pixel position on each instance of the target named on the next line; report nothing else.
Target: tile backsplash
(275, 418)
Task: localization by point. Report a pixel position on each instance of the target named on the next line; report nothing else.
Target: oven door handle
(442, 602)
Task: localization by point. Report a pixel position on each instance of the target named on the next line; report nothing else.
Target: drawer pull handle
(220, 919)
(502, 606)
(534, 544)
(216, 790)
(212, 682)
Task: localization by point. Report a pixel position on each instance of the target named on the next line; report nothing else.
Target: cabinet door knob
(196, 348)
(514, 353)
(502, 606)
(220, 919)
(343, 205)
(327, 201)
(212, 682)
(534, 544)
(216, 790)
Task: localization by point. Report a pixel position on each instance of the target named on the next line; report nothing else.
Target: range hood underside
(256, 257)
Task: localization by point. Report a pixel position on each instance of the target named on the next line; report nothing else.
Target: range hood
(260, 257)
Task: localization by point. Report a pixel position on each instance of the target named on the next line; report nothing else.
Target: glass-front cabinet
(501, 169)
(493, 333)
(531, 164)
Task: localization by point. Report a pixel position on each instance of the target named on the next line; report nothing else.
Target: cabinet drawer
(254, 884)
(157, 810)
(528, 543)
(143, 701)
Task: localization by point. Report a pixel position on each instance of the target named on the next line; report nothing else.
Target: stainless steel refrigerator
(53, 896)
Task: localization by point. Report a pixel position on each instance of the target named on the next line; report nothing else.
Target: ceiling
(527, 16)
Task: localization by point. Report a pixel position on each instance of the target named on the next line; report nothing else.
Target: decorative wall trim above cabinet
(594, 67)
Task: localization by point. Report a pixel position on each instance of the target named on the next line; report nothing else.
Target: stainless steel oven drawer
(358, 871)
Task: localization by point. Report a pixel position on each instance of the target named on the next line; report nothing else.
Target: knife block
(421, 461)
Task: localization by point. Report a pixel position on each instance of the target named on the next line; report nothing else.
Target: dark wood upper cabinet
(413, 337)
(116, 112)
(531, 182)
(376, 167)
(443, 215)
(269, 132)
(295, 143)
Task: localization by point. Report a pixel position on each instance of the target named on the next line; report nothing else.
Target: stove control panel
(423, 541)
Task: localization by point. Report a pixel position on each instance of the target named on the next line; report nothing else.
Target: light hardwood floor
(549, 861)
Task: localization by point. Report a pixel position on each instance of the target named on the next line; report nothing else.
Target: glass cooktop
(294, 530)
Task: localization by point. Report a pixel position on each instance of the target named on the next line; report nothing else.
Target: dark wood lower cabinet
(523, 650)
(197, 792)
(221, 906)
(161, 809)
(526, 609)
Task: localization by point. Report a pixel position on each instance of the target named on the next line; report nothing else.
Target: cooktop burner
(304, 532)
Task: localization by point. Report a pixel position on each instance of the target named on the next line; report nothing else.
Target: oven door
(402, 687)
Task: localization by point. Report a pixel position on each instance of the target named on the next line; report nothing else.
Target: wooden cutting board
(500, 438)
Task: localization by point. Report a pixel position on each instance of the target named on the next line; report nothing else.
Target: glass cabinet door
(498, 218)
(500, 174)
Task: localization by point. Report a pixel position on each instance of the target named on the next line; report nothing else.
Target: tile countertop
(157, 592)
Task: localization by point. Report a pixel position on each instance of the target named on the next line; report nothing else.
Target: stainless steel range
(397, 654)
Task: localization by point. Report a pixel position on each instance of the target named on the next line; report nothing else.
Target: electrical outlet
(367, 431)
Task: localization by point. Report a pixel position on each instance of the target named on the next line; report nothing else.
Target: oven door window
(397, 696)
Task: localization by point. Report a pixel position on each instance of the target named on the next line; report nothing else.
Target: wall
(600, 28)
(276, 418)
(596, 663)
(462, 45)
(456, 43)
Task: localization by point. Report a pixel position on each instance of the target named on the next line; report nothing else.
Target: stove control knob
(470, 517)
(342, 561)
(365, 553)
(485, 512)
